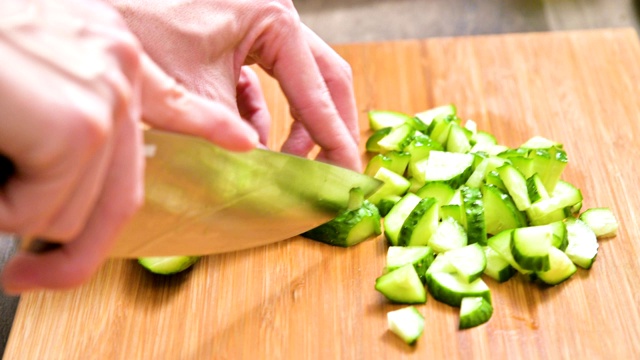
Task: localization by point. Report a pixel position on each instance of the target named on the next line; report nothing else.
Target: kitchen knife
(201, 199)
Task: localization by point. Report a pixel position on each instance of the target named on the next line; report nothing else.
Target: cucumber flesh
(407, 323)
(474, 311)
(420, 257)
(402, 285)
(498, 268)
(602, 221)
(530, 247)
(449, 235)
(167, 265)
(583, 244)
(451, 289)
(421, 223)
(561, 268)
(397, 215)
(469, 261)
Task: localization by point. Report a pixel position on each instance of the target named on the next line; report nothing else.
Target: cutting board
(299, 299)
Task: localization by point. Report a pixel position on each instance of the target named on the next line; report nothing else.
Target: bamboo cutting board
(303, 300)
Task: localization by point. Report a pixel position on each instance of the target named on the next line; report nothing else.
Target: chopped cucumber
(372, 142)
(167, 265)
(530, 247)
(449, 235)
(407, 323)
(500, 212)
(379, 119)
(602, 221)
(469, 261)
(451, 288)
(452, 168)
(420, 257)
(402, 285)
(474, 311)
(583, 244)
(399, 137)
(427, 116)
(393, 160)
(439, 190)
(560, 268)
(497, 267)
(352, 226)
(397, 215)
(516, 185)
(392, 185)
(387, 203)
(473, 215)
(420, 224)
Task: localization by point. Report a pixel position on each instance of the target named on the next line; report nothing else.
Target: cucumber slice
(351, 226)
(497, 267)
(469, 261)
(516, 185)
(602, 221)
(419, 148)
(550, 164)
(427, 116)
(583, 244)
(379, 119)
(451, 289)
(560, 268)
(440, 264)
(449, 235)
(399, 137)
(493, 178)
(473, 215)
(452, 168)
(167, 265)
(452, 211)
(397, 215)
(458, 140)
(420, 224)
(474, 311)
(407, 323)
(565, 195)
(420, 257)
(539, 142)
(441, 191)
(393, 160)
(560, 238)
(536, 188)
(372, 142)
(500, 212)
(402, 285)
(530, 247)
(387, 203)
(439, 128)
(392, 184)
(501, 243)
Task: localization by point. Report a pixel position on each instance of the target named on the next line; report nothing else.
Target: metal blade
(201, 199)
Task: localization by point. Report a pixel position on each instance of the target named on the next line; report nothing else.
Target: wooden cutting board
(303, 300)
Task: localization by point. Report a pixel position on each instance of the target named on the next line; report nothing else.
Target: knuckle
(284, 12)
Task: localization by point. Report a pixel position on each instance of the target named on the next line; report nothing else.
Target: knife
(201, 199)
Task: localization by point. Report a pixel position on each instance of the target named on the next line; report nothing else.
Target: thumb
(169, 106)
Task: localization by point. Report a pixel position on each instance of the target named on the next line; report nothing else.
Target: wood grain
(303, 300)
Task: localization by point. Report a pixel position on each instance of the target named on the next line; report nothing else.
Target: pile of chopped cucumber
(458, 207)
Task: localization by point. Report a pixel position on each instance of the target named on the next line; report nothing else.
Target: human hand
(75, 83)
(206, 44)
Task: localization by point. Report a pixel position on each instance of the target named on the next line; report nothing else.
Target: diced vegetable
(407, 323)
(168, 265)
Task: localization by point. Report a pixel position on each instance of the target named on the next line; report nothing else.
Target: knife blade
(201, 199)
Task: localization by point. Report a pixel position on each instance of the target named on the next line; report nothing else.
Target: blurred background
(344, 21)
(347, 21)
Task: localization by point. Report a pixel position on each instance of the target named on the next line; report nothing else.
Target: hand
(205, 45)
(75, 83)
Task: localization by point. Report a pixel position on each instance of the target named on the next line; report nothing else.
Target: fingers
(294, 64)
(73, 263)
(169, 106)
(251, 103)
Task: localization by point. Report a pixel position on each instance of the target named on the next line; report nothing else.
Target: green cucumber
(474, 311)
(452, 168)
(449, 235)
(399, 137)
(379, 119)
(497, 267)
(452, 211)
(397, 215)
(473, 215)
(458, 140)
(420, 224)
(451, 288)
(167, 265)
(501, 243)
(583, 244)
(427, 116)
(530, 247)
(516, 185)
(536, 188)
(564, 195)
(407, 323)
(561, 268)
(441, 191)
(602, 221)
(372, 142)
(500, 212)
(420, 257)
(402, 285)
(469, 261)
(392, 184)
(393, 160)
(387, 203)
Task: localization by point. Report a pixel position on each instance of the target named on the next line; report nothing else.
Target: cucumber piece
(397, 215)
(501, 243)
(420, 224)
(372, 142)
(530, 247)
(583, 244)
(379, 119)
(387, 203)
(560, 238)
(451, 289)
(427, 116)
(473, 215)
(536, 188)
(440, 264)
(420, 257)
(560, 268)
(469, 261)
(493, 178)
(565, 195)
(458, 139)
(441, 191)
(452, 211)
(439, 128)
(407, 323)
(167, 265)
(550, 164)
(497, 267)
(452, 168)
(449, 235)
(392, 184)
(483, 138)
(500, 212)
(486, 166)
(516, 185)
(393, 160)
(402, 285)
(539, 142)
(351, 226)
(399, 137)
(474, 311)
(419, 148)
(601, 220)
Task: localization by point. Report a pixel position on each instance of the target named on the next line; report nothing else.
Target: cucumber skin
(336, 231)
(474, 215)
(397, 293)
(480, 315)
(410, 224)
(449, 297)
